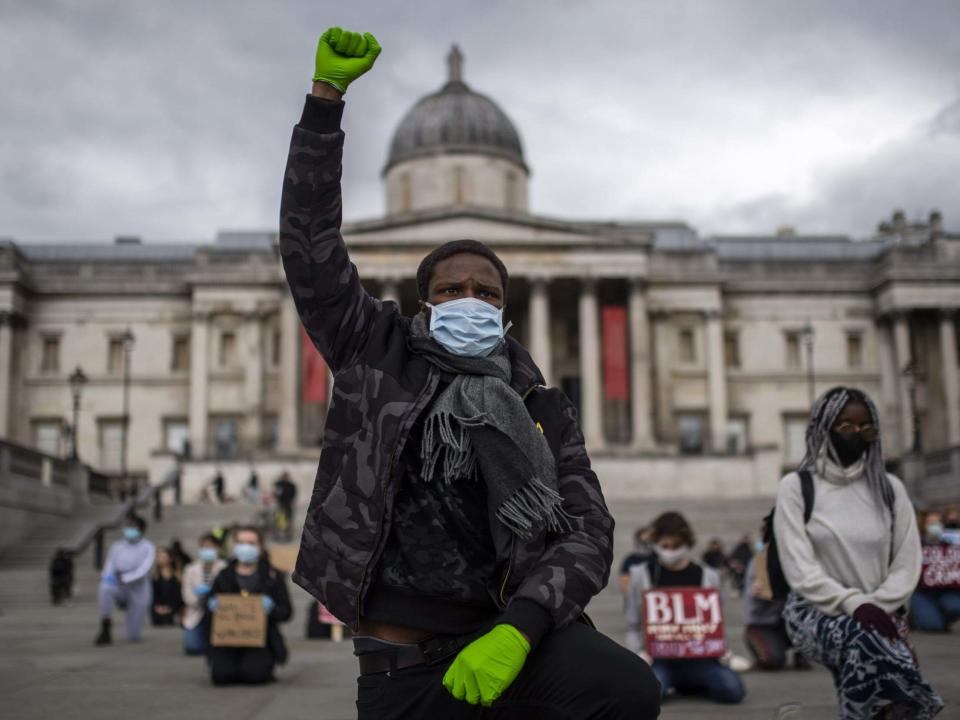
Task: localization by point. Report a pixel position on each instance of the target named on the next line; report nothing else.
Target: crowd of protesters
(172, 589)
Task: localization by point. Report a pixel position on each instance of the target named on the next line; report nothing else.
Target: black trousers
(575, 673)
(240, 666)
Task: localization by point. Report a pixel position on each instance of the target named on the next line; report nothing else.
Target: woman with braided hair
(853, 563)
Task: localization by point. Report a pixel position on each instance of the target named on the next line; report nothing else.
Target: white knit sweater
(844, 556)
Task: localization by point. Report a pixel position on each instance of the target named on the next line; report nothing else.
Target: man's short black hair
(455, 247)
(134, 520)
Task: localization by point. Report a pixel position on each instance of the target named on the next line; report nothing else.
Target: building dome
(455, 120)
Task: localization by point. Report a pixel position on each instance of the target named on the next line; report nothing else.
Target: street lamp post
(77, 381)
(127, 339)
(811, 377)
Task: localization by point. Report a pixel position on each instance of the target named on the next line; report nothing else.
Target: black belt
(379, 656)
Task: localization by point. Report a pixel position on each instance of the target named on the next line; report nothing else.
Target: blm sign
(683, 622)
(941, 566)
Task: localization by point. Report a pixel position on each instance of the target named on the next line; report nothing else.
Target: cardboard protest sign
(240, 621)
(941, 566)
(683, 622)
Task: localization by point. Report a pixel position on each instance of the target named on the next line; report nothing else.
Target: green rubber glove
(343, 56)
(486, 667)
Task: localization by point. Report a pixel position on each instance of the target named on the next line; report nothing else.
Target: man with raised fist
(455, 523)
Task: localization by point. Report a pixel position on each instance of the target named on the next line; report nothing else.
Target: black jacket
(272, 582)
(380, 391)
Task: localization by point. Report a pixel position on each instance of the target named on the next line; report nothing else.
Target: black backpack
(778, 581)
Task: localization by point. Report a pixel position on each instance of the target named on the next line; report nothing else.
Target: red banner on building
(616, 356)
(313, 372)
(941, 566)
(683, 622)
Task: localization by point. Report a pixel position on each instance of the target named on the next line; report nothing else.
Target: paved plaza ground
(50, 669)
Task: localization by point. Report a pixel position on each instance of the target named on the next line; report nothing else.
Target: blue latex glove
(212, 604)
(268, 604)
(111, 580)
(202, 589)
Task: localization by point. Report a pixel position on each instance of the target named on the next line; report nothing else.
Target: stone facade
(727, 341)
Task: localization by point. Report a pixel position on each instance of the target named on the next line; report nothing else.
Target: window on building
(110, 443)
(50, 354)
(226, 437)
(794, 438)
(271, 431)
(114, 355)
(180, 357)
(228, 348)
(510, 201)
(690, 429)
(48, 436)
(458, 191)
(737, 438)
(854, 349)
(731, 348)
(792, 339)
(276, 343)
(176, 435)
(406, 193)
(686, 347)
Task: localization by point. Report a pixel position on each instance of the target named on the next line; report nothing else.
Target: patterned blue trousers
(869, 670)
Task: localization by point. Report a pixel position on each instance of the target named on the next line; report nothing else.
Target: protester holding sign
(681, 629)
(249, 574)
(935, 604)
(853, 563)
(456, 524)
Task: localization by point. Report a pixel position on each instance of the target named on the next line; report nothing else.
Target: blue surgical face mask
(467, 327)
(132, 534)
(207, 555)
(246, 553)
(757, 545)
(935, 531)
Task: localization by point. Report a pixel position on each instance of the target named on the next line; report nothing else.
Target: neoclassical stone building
(692, 359)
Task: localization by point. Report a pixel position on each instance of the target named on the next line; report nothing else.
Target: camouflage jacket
(380, 390)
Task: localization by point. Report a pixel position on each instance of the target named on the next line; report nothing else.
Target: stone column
(6, 370)
(590, 373)
(716, 383)
(663, 387)
(288, 432)
(889, 387)
(540, 348)
(901, 342)
(199, 369)
(640, 391)
(253, 381)
(951, 381)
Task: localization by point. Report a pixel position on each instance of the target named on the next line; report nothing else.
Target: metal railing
(95, 532)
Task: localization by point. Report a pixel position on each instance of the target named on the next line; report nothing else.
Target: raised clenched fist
(343, 56)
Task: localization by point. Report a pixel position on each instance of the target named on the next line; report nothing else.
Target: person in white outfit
(853, 565)
(198, 580)
(125, 581)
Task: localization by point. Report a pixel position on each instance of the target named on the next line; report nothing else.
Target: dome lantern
(455, 147)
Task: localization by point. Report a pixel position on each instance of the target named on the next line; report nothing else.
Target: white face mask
(671, 558)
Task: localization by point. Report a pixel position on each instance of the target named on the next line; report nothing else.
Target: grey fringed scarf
(479, 427)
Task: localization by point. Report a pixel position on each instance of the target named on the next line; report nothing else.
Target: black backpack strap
(807, 489)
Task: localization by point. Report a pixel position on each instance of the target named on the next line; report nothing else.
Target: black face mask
(849, 448)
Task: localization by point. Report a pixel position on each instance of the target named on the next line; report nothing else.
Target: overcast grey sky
(170, 119)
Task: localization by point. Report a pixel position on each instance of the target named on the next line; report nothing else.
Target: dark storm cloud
(171, 119)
